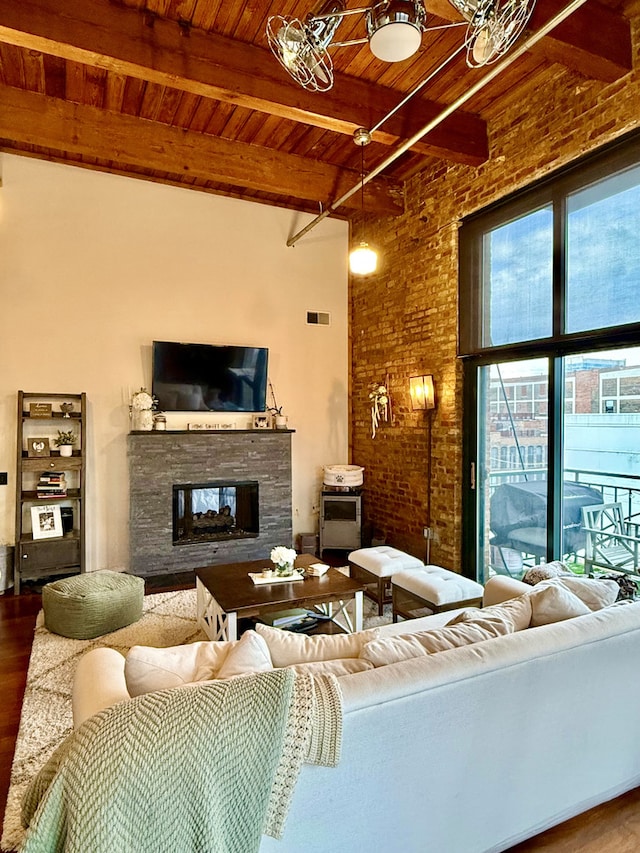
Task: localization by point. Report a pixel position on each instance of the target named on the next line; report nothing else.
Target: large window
(603, 253)
(549, 327)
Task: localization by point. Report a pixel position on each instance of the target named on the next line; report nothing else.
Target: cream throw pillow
(287, 647)
(593, 592)
(250, 654)
(514, 614)
(551, 603)
(405, 646)
(147, 668)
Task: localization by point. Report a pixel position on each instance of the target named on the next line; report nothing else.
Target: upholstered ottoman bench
(432, 587)
(92, 604)
(376, 566)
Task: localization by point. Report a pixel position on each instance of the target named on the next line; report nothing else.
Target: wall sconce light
(422, 393)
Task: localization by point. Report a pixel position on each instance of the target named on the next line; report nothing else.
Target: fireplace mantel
(158, 460)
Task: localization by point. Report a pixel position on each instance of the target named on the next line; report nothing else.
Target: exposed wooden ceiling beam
(129, 42)
(33, 119)
(595, 40)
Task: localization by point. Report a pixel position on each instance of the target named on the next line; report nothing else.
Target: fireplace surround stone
(158, 460)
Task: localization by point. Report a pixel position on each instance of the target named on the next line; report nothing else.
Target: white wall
(94, 267)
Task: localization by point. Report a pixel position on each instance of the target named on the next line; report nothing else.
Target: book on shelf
(52, 484)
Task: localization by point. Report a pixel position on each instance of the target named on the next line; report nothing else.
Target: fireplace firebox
(215, 511)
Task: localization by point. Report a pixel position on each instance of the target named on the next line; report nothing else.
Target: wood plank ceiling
(187, 92)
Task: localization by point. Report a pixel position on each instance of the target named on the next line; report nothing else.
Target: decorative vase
(66, 449)
(142, 420)
(283, 570)
(281, 421)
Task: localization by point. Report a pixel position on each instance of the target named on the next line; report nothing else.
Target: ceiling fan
(493, 27)
(394, 33)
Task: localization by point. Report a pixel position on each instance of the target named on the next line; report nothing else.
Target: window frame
(554, 189)
(615, 158)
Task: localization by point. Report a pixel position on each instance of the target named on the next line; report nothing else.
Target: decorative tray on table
(272, 577)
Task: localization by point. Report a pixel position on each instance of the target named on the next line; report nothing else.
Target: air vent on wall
(318, 318)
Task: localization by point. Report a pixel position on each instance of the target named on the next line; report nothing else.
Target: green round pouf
(89, 605)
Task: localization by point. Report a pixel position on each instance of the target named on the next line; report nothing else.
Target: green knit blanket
(202, 769)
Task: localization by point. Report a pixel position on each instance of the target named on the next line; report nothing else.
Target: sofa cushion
(250, 654)
(554, 603)
(341, 666)
(287, 647)
(147, 668)
(381, 652)
(514, 614)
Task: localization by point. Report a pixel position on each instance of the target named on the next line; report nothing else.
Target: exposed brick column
(404, 318)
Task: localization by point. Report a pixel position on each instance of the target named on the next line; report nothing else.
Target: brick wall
(404, 318)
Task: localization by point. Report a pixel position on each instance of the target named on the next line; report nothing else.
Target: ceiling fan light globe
(395, 42)
(363, 259)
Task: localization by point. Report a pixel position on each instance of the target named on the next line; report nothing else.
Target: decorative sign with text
(40, 410)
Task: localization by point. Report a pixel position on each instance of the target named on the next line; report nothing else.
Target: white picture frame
(46, 521)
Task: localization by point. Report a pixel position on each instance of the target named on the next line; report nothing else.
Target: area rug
(168, 620)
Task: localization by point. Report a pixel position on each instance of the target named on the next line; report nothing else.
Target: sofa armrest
(98, 682)
(501, 588)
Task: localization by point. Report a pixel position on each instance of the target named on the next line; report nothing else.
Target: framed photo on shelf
(38, 447)
(46, 522)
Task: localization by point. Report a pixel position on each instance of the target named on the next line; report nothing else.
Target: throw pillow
(405, 646)
(514, 614)
(287, 647)
(147, 669)
(596, 593)
(553, 603)
(250, 654)
(544, 571)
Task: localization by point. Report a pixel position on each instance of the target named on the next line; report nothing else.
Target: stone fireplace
(201, 498)
(216, 511)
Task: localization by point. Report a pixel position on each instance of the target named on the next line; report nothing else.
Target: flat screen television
(209, 378)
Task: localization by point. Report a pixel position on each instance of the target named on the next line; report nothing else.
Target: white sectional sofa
(464, 751)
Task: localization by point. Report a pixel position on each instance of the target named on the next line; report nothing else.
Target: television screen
(208, 378)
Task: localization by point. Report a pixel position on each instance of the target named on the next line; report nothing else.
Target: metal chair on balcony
(609, 542)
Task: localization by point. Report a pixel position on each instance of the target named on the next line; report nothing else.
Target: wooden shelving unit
(39, 420)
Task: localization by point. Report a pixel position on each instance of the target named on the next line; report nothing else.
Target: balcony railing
(514, 550)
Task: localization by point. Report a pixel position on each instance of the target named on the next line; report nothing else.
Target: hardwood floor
(610, 828)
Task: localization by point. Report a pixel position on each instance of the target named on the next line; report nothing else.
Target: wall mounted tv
(209, 378)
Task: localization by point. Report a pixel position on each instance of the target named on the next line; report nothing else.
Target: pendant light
(362, 258)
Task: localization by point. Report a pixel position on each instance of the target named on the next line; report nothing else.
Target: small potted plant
(64, 441)
(276, 411)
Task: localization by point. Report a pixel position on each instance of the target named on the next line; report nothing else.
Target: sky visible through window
(603, 264)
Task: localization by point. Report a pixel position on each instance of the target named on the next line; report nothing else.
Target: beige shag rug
(168, 620)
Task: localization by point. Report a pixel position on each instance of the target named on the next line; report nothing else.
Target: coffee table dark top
(234, 590)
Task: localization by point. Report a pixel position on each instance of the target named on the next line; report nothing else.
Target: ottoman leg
(381, 590)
